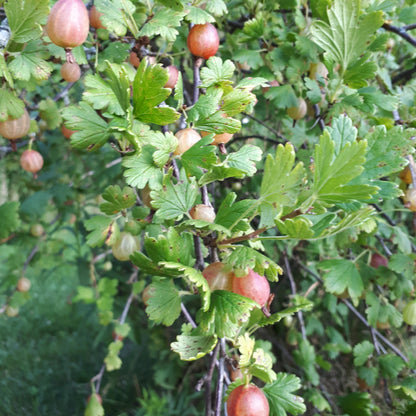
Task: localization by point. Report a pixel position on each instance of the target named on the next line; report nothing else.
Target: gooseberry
(409, 313)
(31, 161)
(202, 212)
(247, 400)
(125, 246)
(203, 40)
(15, 128)
(378, 260)
(218, 277)
(67, 132)
(70, 71)
(95, 18)
(186, 139)
(68, 23)
(253, 286)
(173, 76)
(36, 230)
(23, 284)
(11, 311)
(299, 111)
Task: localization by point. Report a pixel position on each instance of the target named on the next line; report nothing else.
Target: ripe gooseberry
(23, 284)
(125, 246)
(203, 40)
(202, 212)
(378, 260)
(186, 139)
(410, 199)
(299, 111)
(70, 71)
(219, 138)
(253, 286)
(173, 76)
(95, 18)
(68, 23)
(247, 400)
(406, 175)
(15, 128)
(218, 277)
(135, 60)
(31, 161)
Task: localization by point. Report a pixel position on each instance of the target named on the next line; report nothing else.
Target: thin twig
(220, 382)
(275, 132)
(208, 380)
(401, 32)
(188, 316)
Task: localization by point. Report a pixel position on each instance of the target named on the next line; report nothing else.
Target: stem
(401, 32)
(246, 237)
(197, 78)
(208, 380)
(220, 382)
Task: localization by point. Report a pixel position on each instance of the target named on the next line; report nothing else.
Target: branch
(401, 32)
(275, 132)
(220, 383)
(246, 237)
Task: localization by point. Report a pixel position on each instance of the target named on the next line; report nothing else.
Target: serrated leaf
(116, 15)
(305, 357)
(216, 7)
(163, 23)
(31, 63)
(9, 218)
(357, 404)
(281, 182)
(149, 93)
(117, 199)
(362, 352)
(391, 365)
(102, 230)
(142, 169)
(10, 105)
(217, 73)
(236, 101)
(342, 275)
(194, 345)
(281, 398)
(226, 314)
(206, 105)
(112, 360)
(199, 16)
(333, 173)
(200, 156)
(25, 17)
(194, 277)
(173, 201)
(242, 258)
(382, 312)
(231, 214)
(344, 37)
(278, 316)
(165, 144)
(164, 305)
(91, 130)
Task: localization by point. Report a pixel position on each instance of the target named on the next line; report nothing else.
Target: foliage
(307, 204)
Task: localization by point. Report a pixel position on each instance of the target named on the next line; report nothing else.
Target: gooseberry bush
(207, 207)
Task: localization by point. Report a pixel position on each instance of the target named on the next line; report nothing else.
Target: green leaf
(236, 101)
(345, 36)
(281, 398)
(142, 169)
(94, 407)
(305, 357)
(333, 172)
(216, 7)
(237, 164)
(25, 17)
(164, 305)
(231, 214)
(342, 275)
(357, 404)
(199, 157)
(31, 63)
(206, 105)
(198, 16)
(391, 365)
(242, 258)
(9, 218)
(10, 105)
(163, 24)
(382, 311)
(314, 94)
(194, 277)
(193, 345)
(173, 201)
(362, 352)
(170, 247)
(226, 314)
(50, 112)
(217, 73)
(165, 144)
(149, 92)
(112, 360)
(117, 199)
(283, 96)
(342, 132)
(115, 14)
(91, 130)
(281, 183)
(278, 316)
(102, 230)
